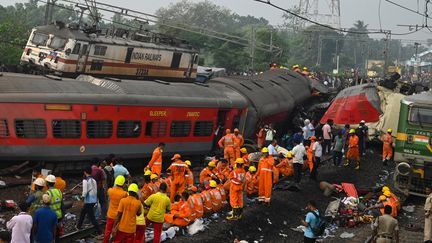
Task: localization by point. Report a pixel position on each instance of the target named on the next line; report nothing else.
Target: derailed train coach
(59, 119)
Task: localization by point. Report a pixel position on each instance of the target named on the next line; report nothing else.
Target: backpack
(320, 226)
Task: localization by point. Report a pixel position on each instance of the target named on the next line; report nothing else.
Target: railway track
(80, 234)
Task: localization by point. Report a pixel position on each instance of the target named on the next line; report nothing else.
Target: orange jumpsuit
(353, 150)
(178, 169)
(168, 182)
(251, 183)
(206, 175)
(227, 142)
(245, 158)
(387, 146)
(223, 171)
(60, 183)
(216, 199)
(223, 195)
(239, 141)
(146, 191)
(206, 198)
(265, 178)
(285, 167)
(237, 178)
(184, 213)
(156, 161)
(189, 178)
(394, 212)
(310, 155)
(395, 200)
(197, 207)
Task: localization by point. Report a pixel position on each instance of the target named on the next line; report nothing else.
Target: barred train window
(26, 128)
(99, 129)
(39, 39)
(4, 130)
(156, 129)
(203, 128)
(100, 50)
(66, 128)
(180, 128)
(128, 129)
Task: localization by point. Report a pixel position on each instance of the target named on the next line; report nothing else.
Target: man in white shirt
(272, 148)
(327, 134)
(298, 152)
(317, 152)
(21, 225)
(306, 130)
(270, 133)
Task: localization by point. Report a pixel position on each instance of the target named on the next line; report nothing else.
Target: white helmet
(51, 178)
(39, 182)
(306, 122)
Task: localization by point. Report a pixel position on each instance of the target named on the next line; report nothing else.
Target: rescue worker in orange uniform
(305, 72)
(189, 175)
(296, 68)
(178, 169)
(180, 211)
(265, 176)
(216, 198)
(286, 167)
(154, 183)
(239, 141)
(353, 149)
(387, 141)
(147, 188)
(391, 196)
(227, 142)
(310, 153)
(384, 201)
(196, 203)
(168, 181)
(206, 199)
(238, 179)
(251, 181)
(222, 170)
(223, 194)
(155, 163)
(245, 156)
(207, 173)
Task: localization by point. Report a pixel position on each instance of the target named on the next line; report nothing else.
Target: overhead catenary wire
(408, 9)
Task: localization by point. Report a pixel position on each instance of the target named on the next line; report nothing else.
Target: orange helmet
(313, 138)
(176, 156)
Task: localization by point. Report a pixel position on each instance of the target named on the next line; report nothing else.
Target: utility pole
(416, 62)
(82, 8)
(386, 51)
(252, 47)
(318, 63)
(47, 10)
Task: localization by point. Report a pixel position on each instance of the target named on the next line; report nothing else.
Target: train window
(175, 62)
(236, 121)
(421, 116)
(180, 128)
(156, 129)
(84, 50)
(30, 128)
(66, 128)
(203, 128)
(99, 129)
(4, 130)
(57, 43)
(76, 48)
(100, 50)
(128, 129)
(40, 39)
(96, 65)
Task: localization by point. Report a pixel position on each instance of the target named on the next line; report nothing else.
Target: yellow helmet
(133, 188)
(212, 164)
(289, 155)
(387, 193)
(213, 183)
(147, 173)
(243, 150)
(239, 161)
(295, 66)
(188, 162)
(264, 150)
(385, 188)
(352, 131)
(390, 130)
(252, 168)
(382, 198)
(119, 180)
(305, 68)
(153, 176)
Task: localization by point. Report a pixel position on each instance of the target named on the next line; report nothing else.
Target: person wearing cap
(238, 179)
(35, 199)
(299, 153)
(44, 222)
(155, 163)
(285, 167)
(21, 225)
(265, 176)
(428, 215)
(180, 214)
(245, 156)
(387, 141)
(317, 152)
(238, 141)
(227, 143)
(158, 205)
(129, 208)
(216, 197)
(189, 175)
(362, 134)
(56, 203)
(378, 208)
(89, 194)
(305, 72)
(196, 203)
(154, 183)
(115, 194)
(391, 196)
(251, 181)
(178, 169)
(385, 227)
(353, 149)
(207, 173)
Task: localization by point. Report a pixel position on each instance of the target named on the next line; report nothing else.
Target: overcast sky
(351, 10)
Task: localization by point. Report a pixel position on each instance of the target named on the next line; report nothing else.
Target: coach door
(82, 57)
